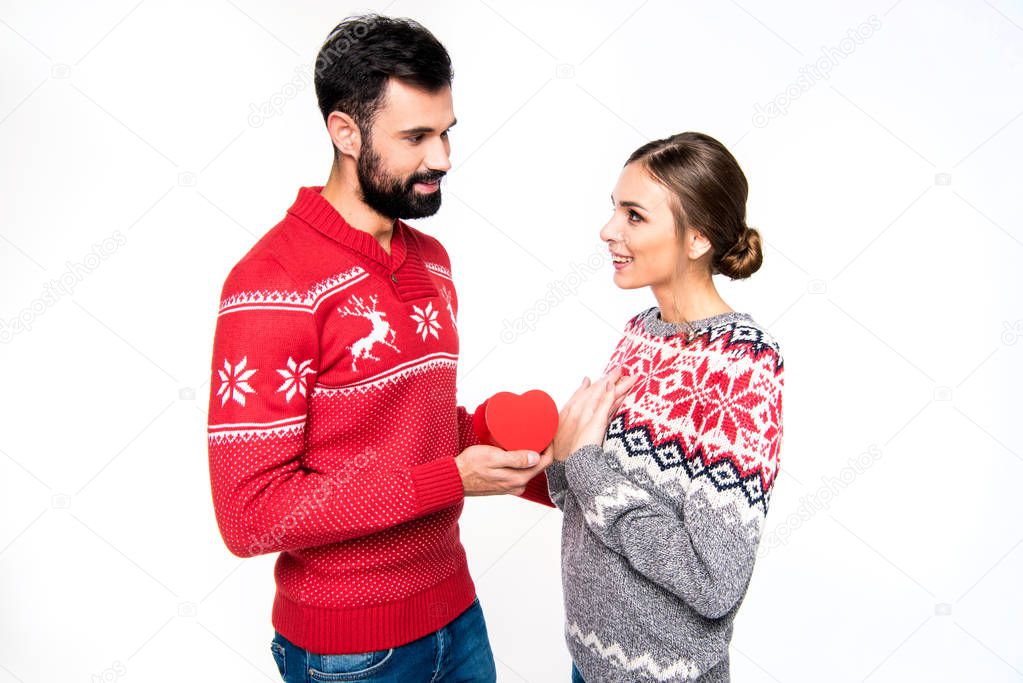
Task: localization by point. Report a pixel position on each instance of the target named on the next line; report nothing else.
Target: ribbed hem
(536, 490)
(437, 484)
(326, 630)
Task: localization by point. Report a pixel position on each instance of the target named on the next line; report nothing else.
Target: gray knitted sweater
(662, 522)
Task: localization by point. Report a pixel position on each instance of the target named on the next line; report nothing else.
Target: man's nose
(438, 159)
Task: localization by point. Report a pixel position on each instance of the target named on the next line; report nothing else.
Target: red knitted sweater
(333, 427)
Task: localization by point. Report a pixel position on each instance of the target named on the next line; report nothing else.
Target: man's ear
(344, 133)
(696, 244)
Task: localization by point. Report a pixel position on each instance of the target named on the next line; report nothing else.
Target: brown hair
(708, 193)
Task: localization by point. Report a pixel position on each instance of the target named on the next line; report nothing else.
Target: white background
(888, 195)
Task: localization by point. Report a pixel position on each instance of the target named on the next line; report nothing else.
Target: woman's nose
(608, 232)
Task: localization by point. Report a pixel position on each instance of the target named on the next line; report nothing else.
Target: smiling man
(334, 434)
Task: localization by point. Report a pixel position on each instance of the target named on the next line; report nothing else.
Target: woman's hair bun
(743, 258)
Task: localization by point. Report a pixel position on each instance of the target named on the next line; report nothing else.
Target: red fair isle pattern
(333, 427)
(300, 301)
(716, 399)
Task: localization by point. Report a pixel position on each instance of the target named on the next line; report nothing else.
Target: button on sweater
(333, 428)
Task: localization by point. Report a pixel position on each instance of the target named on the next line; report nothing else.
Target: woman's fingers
(574, 398)
(586, 399)
(585, 417)
(622, 383)
(625, 385)
(614, 375)
(606, 400)
(615, 406)
(587, 403)
(594, 423)
(599, 400)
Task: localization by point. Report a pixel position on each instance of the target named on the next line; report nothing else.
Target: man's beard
(395, 197)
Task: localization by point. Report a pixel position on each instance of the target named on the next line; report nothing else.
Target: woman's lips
(620, 264)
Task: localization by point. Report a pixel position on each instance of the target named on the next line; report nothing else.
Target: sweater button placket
(394, 278)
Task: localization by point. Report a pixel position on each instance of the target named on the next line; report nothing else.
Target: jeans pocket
(355, 667)
(277, 650)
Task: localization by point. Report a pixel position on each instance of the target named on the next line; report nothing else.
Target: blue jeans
(459, 652)
(576, 676)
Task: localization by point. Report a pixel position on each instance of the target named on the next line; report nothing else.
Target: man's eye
(444, 134)
(415, 139)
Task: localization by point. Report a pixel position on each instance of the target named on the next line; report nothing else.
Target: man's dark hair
(363, 52)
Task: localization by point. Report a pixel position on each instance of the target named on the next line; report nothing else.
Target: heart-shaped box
(516, 422)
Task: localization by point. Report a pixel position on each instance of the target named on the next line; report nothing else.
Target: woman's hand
(584, 418)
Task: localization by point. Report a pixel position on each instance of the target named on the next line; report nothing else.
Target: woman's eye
(634, 217)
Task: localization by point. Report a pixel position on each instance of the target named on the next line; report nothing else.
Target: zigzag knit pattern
(663, 519)
(643, 665)
(708, 402)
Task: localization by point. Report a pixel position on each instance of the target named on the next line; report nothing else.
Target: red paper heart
(514, 422)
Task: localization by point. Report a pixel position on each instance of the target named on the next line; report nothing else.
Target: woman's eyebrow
(629, 204)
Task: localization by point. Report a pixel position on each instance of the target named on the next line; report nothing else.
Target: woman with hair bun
(665, 489)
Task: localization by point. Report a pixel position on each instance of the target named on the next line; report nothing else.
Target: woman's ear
(345, 134)
(696, 244)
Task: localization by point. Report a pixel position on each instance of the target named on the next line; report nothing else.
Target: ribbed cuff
(556, 480)
(536, 490)
(586, 469)
(437, 484)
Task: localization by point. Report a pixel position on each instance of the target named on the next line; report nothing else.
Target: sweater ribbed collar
(313, 208)
(656, 326)
(403, 268)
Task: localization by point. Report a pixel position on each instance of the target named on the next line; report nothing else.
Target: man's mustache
(427, 177)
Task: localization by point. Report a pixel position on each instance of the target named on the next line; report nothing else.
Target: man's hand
(490, 471)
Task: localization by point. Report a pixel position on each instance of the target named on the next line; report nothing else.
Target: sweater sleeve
(466, 432)
(265, 362)
(537, 491)
(702, 548)
(557, 484)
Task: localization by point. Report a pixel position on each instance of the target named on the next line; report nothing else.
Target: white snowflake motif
(427, 319)
(234, 382)
(294, 378)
